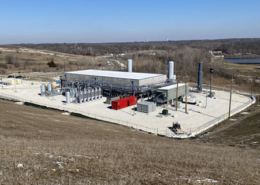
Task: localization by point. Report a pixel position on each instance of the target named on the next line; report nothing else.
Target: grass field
(29, 60)
(52, 148)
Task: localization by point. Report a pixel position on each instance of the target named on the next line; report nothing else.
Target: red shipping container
(124, 102)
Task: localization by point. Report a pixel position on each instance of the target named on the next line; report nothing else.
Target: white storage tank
(43, 89)
(67, 97)
(49, 87)
(89, 94)
(81, 97)
(85, 98)
(93, 93)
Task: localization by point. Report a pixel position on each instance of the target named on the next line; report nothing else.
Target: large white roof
(115, 74)
(171, 86)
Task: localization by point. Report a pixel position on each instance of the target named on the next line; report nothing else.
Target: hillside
(20, 59)
(52, 148)
(228, 46)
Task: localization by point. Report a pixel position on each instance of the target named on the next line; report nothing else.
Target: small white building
(11, 81)
(216, 54)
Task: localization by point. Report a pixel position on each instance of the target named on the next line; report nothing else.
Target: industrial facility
(89, 85)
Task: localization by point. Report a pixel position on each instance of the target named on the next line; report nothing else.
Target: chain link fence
(223, 117)
(94, 116)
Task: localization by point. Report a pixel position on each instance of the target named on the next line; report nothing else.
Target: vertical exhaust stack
(200, 77)
(129, 65)
(171, 76)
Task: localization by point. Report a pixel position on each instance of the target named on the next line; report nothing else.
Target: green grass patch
(35, 105)
(82, 116)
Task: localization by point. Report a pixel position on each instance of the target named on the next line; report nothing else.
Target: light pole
(211, 77)
(206, 92)
(230, 98)
(176, 93)
(252, 86)
(2, 81)
(231, 88)
(186, 94)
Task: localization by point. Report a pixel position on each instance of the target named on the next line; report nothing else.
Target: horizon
(38, 22)
(152, 41)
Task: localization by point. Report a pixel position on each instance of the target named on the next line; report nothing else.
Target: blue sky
(95, 21)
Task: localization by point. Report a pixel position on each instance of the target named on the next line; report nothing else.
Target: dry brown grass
(35, 62)
(244, 68)
(102, 153)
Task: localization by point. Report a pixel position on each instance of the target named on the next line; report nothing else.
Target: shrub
(4, 66)
(51, 63)
(3, 71)
(9, 59)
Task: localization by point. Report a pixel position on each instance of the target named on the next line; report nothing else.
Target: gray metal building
(171, 90)
(146, 106)
(139, 79)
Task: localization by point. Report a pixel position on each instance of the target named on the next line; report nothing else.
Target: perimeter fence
(157, 131)
(221, 118)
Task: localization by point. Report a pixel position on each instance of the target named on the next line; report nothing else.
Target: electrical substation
(155, 103)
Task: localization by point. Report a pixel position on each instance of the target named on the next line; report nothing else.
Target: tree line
(228, 46)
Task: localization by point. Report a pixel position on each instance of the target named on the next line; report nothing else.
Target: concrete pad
(149, 122)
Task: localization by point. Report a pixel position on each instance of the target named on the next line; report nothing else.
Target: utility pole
(186, 94)
(211, 77)
(2, 81)
(176, 104)
(252, 86)
(206, 93)
(231, 88)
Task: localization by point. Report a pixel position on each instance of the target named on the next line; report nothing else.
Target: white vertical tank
(67, 97)
(99, 92)
(129, 65)
(89, 94)
(93, 94)
(80, 96)
(85, 96)
(96, 93)
(49, 87)
(43, 89)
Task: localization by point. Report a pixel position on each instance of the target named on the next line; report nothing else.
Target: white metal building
(116, 77)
